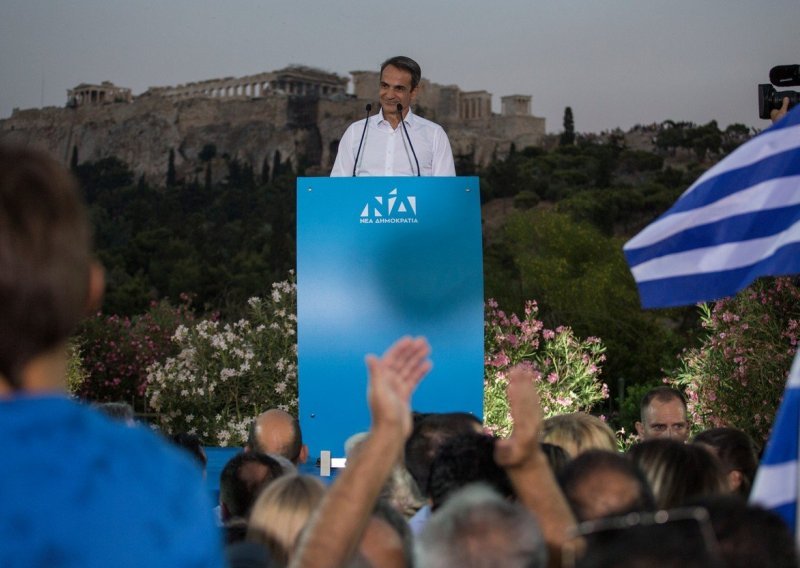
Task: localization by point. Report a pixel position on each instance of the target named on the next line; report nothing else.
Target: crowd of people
(87, 487)
(435, 490)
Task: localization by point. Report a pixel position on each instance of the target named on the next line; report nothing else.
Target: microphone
(403, 122)
(360, 142)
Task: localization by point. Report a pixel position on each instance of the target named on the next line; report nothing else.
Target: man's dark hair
(406, 64)
(749, 535)
(662, 393)
(45, 259)
(121, 411)
(736, 450)
(192, 444)
(241, 481)
(429, 433)
(678, 544)
(589, 464)
(464, 459)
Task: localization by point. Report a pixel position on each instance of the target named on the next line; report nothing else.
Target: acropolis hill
(297, 111)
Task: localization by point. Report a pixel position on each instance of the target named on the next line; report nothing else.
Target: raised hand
(393, 378)
(526, 412)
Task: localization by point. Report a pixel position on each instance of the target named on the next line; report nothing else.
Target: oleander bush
(567, 368)
(737, 375)
(224, 374)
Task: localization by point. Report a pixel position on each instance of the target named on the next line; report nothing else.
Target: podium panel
(378, 258)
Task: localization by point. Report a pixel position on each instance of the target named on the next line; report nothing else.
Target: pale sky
(615, 62)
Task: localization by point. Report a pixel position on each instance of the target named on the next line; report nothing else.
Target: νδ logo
(390, 208)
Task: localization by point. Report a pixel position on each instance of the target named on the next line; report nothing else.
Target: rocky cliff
(252, 130)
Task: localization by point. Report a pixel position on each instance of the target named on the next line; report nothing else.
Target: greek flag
(738, 221)
(775, 486)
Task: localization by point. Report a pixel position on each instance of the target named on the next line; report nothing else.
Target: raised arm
(527, 466)
(336, 528)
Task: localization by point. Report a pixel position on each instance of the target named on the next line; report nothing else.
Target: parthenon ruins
(444, 102)
(296, 80)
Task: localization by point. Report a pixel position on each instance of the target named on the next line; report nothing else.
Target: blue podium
(378, 258)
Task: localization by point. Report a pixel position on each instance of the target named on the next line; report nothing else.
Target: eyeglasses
(657, 529)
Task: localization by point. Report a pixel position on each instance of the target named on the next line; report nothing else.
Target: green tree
(105, 174)
(73, 162)
(171, 168)
(208, 153)
(580, 278)
(568, 136)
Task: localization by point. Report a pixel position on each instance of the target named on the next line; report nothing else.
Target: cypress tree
(568, 136)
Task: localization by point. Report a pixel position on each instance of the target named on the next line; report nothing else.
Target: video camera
(769, 99)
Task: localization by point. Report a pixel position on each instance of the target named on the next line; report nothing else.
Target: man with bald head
(278, 432)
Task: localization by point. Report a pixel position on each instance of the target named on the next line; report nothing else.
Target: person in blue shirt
(77, 488)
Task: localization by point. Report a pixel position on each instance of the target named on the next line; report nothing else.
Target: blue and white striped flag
(738, 221)
(775, 486)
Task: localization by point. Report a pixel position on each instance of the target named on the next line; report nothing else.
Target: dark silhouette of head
(242, 479)
(677, 472)
(429, 433)
(601, 484)
(738, 454)
(462, 460)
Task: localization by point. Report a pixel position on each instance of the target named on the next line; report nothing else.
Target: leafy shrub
(526, 199)
(116, 351)
(737, 375)
(225, 374)
(76, 375)
(567, 368)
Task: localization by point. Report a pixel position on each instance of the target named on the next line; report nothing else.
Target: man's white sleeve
(343, 166)
(443, 164)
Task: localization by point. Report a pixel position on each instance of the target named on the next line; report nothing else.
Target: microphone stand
(403, 122)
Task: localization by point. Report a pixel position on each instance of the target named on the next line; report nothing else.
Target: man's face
(664, 419)
(395, 87)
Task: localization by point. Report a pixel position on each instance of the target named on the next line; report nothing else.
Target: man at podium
(385, 145)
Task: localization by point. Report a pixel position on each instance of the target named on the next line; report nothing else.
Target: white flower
(180, 333)
(276, 295)
(218, 342)
(280, 387)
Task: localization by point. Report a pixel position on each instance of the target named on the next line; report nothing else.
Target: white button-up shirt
(385, 151)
